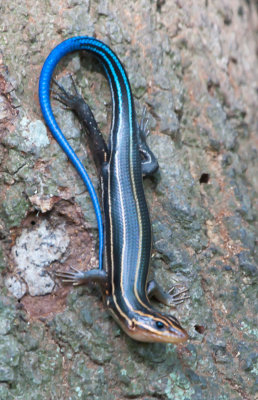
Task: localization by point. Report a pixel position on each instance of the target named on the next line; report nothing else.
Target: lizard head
(152, 327)
(156, 328)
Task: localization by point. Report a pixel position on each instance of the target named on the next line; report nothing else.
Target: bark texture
(194, 64)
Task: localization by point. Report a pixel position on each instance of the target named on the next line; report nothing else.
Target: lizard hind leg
(78, 105)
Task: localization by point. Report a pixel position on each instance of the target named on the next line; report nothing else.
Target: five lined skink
(125, 243)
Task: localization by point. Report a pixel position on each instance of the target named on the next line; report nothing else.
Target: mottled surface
(193, 63)
(34, 251)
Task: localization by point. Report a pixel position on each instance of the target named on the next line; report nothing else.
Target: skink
(126, 241)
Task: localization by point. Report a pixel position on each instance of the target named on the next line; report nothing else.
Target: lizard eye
(159, 325)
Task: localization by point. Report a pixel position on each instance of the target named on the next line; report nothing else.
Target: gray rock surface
(194, 64)
(33, 253)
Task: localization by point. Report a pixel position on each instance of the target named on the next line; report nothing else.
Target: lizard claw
(65, 97)
(144, 123)
(178, 297)
(70, 276)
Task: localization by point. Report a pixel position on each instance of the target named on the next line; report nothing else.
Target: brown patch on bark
(41, 307)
